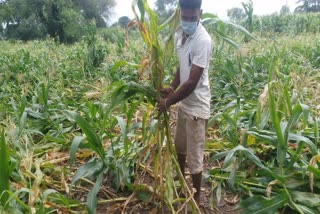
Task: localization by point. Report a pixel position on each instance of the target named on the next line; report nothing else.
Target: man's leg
(182, 163)
(195, 151)
(196, 180)
(180, 140)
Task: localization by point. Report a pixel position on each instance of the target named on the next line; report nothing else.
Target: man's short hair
(190, 4)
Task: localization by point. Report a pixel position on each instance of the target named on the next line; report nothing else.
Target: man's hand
(166, 92)
(163, 105)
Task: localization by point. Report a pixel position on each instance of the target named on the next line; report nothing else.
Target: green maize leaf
(125, 91)
(226, 38)
(312, 146)
(15, 196)
(4, 170)
(231, 104)
(287, 97)
(48, 192)
(130, 113)
(123, 63)
(316, 131)
(307, 210)
(157, 67)
(89, 169)
(92, 195)
(123, 127)
(22, 122)
(292, 183)
(141, 23)
(232, 176)
(314, 171)
(282, 144)
(241, 29)
(229, 159)
(173, 21)
(262, 205)
(208, 16)
(254, 159)
(264, 136)
(213, 119)
(74, 146)
(306, 198)
(231, 121)
(305, 111)
(169, 185)
(297, 112)
(210, 19)
(219, 192)
(281, 155)
(124, 132)
(296, 155)
(153, 19)
(93, 139)
(45, 195)
(141, 9)
(223, 154)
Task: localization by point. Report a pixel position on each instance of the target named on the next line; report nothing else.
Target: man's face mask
(189, 28)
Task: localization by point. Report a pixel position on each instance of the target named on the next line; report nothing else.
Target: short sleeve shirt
(196, 50)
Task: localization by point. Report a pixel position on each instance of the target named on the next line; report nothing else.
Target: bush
(113, 34)
(28, 29)
(74, 25)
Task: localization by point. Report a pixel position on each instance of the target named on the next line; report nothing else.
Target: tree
(236, 14)
(63, 19)
(164, 8)
(123, 21)
(100, 10)
(308, 6)
(285, 9)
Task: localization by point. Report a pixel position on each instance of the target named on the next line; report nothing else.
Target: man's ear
(201, 13)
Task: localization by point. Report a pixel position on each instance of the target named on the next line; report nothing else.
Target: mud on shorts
(189, 139)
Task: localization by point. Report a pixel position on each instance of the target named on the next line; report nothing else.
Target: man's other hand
(163, 106)
(166, 92)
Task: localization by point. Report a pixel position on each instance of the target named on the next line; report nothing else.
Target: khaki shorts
(189, 139)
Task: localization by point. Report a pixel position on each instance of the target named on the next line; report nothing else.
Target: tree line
(64, 20)
(304, 6)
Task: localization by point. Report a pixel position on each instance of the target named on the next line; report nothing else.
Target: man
(190, 88)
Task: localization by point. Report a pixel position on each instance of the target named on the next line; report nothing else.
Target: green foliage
(123, 21)
(95, 51)
(164, 8)
(66, 20)
(28, 29)
(73, 26)
(236, 14)
(4, 170)
(291, 24)
(308, 6)
(248, 8)
(276, 125)
(285, 9)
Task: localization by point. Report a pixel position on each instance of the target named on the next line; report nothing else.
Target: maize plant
(160, 147)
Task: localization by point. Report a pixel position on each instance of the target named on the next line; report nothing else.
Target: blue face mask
(189, 27)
